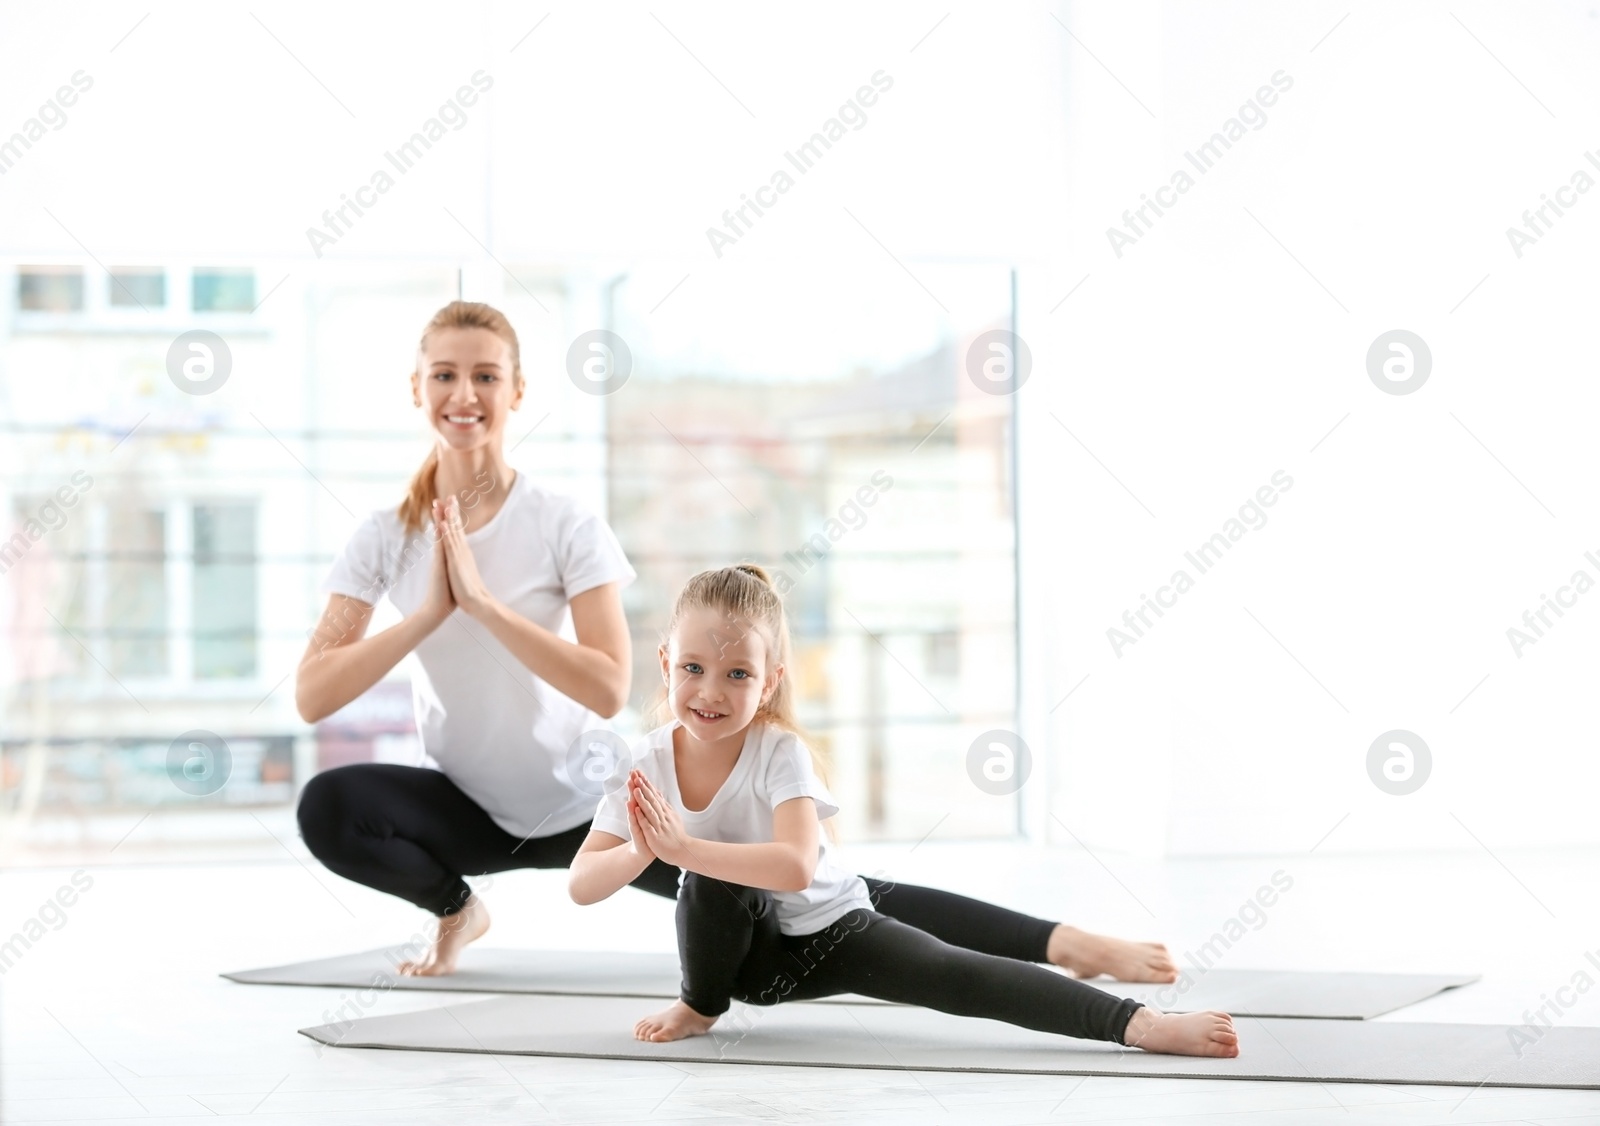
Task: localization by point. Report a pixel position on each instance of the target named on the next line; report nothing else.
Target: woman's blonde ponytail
(418, 505)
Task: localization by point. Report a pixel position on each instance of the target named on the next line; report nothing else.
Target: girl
(727, 792)
(489, 570)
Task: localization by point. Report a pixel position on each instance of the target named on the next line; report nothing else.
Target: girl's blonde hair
(745, 598)
(420, 494)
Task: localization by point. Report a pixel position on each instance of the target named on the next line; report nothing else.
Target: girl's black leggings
(730, 947)
(411, 832)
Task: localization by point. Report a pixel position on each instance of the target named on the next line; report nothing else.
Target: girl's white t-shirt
(499, 732)
(773, 767)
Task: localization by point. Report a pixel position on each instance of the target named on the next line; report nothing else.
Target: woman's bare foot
(455, 932)
(1090, 955)
(1182, 1034)
(674, 1023)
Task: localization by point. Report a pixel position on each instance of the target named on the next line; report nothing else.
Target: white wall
(617, 131)
(1206, 358)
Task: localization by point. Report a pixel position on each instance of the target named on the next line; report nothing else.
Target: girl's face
(716, 673)
(465, 385)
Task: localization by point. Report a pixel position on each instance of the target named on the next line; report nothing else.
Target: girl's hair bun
(755, 570)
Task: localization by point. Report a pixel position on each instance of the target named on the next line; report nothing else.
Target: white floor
(118, 1014)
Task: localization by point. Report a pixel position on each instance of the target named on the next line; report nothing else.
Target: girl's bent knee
(703, 896)
(696, 884)
(706, 890)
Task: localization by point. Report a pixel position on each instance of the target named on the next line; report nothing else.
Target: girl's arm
(788, 863)
(341, 662)
(596, 671)
(606, 863)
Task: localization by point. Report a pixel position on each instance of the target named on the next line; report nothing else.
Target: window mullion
(180, 590)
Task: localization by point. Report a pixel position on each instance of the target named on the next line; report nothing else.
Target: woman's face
(465, 386)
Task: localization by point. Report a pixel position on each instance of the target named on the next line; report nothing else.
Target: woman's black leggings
(411, 832)
(730, 947)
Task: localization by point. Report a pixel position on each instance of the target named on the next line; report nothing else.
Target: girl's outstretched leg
(889, 960)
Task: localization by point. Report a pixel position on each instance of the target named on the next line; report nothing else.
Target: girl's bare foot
(674, 1023)
(1090, 955)
(1182, 1034)
(455, 932)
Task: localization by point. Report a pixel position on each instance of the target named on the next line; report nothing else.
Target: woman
(487, 569)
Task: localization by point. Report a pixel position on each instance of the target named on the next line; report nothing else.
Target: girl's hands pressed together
(637, 843)
(663, 829)
(466, 584)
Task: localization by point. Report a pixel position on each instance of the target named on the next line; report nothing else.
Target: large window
(826, 425)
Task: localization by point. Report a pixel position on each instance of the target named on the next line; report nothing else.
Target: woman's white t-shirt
(499, 732)
(773, 767)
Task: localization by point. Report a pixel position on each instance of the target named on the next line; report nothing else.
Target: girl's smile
(717, 677)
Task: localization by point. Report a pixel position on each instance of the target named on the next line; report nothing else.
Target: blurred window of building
(50, 289)
(219, 290)
(137, 287)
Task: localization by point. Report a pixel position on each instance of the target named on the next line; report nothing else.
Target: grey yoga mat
(488, 970)
(1261, 993)
(904, 1038)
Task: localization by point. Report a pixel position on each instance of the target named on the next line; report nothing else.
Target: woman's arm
(596, 671)
(341, 662)
(788, 863)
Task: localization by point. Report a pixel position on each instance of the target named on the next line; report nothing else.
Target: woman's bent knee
(324, 810)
